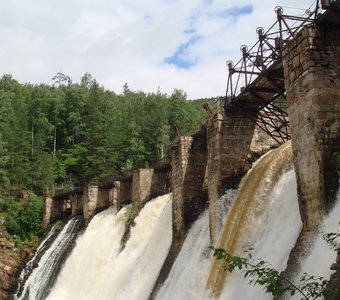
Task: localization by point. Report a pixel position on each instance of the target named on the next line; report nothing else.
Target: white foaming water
(30, 264)
(38, 281)
(188, 275)
(97, 270)
(276, 234)
(99, 242)
(320, 257)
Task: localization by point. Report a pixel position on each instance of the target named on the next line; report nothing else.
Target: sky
(152, 45)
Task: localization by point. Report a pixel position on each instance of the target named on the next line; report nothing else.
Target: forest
(70, 134)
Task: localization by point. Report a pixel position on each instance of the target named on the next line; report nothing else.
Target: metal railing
(265, 52)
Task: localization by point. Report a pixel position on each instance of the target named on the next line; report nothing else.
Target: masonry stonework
(116, 195)
(228, 138)
(189, 159)
(312, 79)
(90, 202)
(188, 167)
(47, 212)
(125, 192)
(141, 185)
(77, 203)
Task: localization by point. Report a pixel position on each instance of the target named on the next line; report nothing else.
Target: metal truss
(257, 79)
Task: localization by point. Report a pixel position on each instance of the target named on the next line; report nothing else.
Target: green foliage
(23, 218)
(272, 281)
(4, 158)
(27, 244)
(72, 134)
(332, 239)
(58, 225)
(129, 214)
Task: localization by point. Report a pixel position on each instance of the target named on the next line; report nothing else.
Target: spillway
(97, 269)
(188, 274)
(320, 256)
(264, 216)
(38, 283)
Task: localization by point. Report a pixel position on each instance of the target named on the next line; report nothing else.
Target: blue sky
(181, 57)
(169, 44)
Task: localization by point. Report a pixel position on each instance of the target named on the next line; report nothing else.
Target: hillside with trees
(71, 134)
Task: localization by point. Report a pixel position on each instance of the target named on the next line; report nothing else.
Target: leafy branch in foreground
(262, 273)
(332, 239)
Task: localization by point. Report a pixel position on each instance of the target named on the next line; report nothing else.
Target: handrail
(265, 52)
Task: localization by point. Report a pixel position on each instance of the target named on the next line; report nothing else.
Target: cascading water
(319, 258)
(189, 272)
(264, 216)
(37, 285)
(97, 270)
(188, 275)
(99, 242)
(25, 273)
(278, 230)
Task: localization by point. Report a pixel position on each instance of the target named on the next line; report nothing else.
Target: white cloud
(128, 40)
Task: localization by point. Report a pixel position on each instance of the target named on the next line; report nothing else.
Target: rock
(10, 270)
(335, 266)
(338, 257)
(11, 262)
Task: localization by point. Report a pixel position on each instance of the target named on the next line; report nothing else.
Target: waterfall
(188, 275)
(99, 242)
(29, 267)
(189, 272)
(264, 216)
(97, 269)
(37, 285)
(320, 256)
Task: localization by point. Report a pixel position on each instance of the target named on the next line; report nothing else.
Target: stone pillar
(180, 153)
(77, 203)
(312, 79)
(141, 185)
(90, 195)
(47, 214)
(188, 170)
(116, 198)
(161, 182)
(229, 140)
(125, 192)
(188, 164)
(113, 197)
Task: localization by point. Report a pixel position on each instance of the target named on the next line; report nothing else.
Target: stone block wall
(95, 199)
(312, 80)
(47, 211)
(77, 203)
(161, 182)
(188, 170)
(115, 195)
(61, 206)
(180, 153)
(228, 138)
(125, 192)
(141, 185)
(58, 210)
(90, 202)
